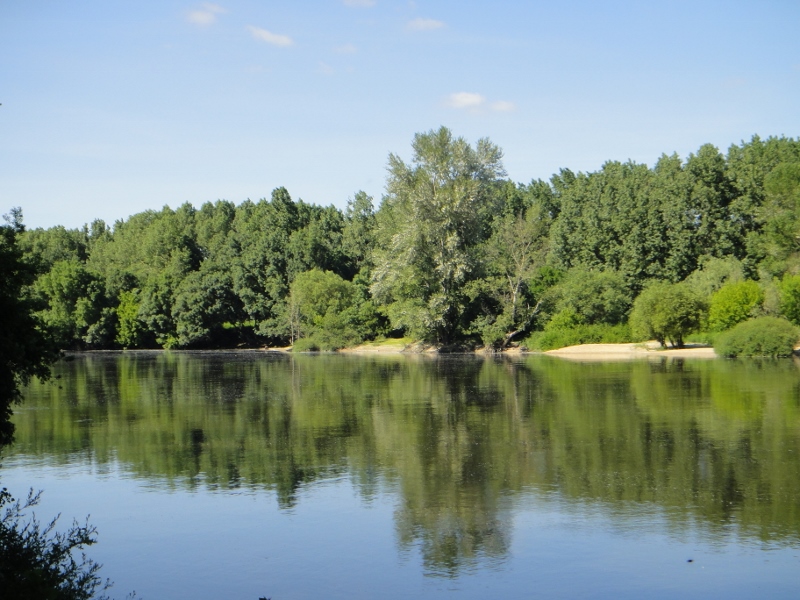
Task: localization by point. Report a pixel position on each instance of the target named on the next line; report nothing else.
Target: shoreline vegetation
(702, 251)
(599, 352)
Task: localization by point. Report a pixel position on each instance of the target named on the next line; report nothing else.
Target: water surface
(239, 475)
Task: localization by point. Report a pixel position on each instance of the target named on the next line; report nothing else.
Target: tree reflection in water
(462, 439)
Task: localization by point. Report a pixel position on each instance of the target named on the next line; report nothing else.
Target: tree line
(455, 254)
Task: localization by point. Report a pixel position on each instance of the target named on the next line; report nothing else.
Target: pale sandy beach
(376, 349)
(630, 351)
(581, 352)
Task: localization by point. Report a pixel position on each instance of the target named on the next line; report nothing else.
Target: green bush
(790, 298)
(566, 329)
(763, 336)
(595, 296)
(36, 561)
(306, 344)
(329, 311)
(666, 311)
(734, 303)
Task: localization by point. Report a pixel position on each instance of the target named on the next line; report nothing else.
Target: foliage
(713, 273)
(327, 312)
(733, 303)
(782, 226)
(428, 227)
(75, 298)
(762, 336)
(666, 312)
(358, 235)
(39, 562)
(204, 302)
(453, 253)
(511, 257)
(26, 346)
(568, 328)
(594, 296)
(130, 330)
(789, 289)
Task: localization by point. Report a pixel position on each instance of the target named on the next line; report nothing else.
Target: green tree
(713, 273)
(428, 227)
(666, 312)
(260, 236)
(733, 303)
(329, 311)
(130, 329)
(782, 201)
(204, 303)
(358, 235)
(594, 296)
(510, 259)
(789, 289)
(26, 347)
(75, 300)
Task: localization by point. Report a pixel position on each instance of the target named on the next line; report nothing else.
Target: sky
(112, 108)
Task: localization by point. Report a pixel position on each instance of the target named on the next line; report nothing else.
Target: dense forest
(455, 254)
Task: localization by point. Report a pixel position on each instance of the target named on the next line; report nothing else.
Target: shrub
(38, 562)
(714, 273)
(734, 303)
(763, 336)
(329, 311)
(566, 329)
(790, 298)
(307, 344)
(666, 311)
(595, 296)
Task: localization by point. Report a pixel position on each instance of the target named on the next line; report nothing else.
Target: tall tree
(511, 257)
(429, 225)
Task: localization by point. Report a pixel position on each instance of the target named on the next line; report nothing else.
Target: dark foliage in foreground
(40, 562)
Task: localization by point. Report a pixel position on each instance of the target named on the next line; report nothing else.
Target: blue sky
(112, 108)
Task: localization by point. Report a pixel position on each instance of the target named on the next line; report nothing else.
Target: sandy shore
(581, 352)
(629, 351)
(376, 349)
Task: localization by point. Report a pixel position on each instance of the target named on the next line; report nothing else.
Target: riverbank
(631, 351)
(650, 349)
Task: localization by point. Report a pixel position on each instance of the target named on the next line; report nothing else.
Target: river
(246, 474)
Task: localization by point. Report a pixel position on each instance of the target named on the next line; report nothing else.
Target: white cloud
(465, 100)
(205, 15)
(346, 49)
(477, 103)
(275, 39)
(421, 24)
(359, 3)
(503, 106)
(326, 69)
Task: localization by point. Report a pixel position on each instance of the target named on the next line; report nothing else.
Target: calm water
(239, 475)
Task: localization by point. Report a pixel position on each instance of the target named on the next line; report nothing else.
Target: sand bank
(581, 352)
(630, 351)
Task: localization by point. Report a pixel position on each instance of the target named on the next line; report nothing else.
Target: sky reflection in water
(240, 475)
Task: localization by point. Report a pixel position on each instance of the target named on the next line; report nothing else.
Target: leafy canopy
(428, 227)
